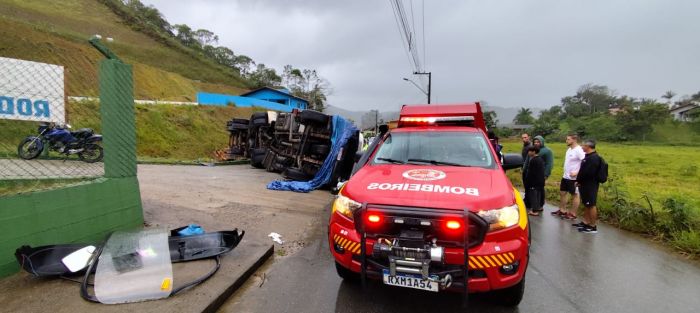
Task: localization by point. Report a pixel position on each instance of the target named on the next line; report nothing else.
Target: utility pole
(376, 122)
(430, 78)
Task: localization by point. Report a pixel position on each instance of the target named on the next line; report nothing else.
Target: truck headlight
(345, 206)
(501, 218)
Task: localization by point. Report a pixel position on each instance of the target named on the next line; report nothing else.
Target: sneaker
(589, 229)
(579, 225)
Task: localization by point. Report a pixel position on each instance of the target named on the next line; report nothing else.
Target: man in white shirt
(572, 164)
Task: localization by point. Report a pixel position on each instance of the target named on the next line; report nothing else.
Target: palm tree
(668, 95)
(523, 117)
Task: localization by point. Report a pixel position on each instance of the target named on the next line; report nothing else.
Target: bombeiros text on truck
(429, 207)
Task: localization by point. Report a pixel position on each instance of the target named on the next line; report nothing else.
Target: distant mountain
(504, 115)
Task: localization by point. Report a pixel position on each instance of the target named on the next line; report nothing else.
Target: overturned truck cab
(430, 207)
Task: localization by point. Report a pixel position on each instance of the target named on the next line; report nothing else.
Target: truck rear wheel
(510, 296)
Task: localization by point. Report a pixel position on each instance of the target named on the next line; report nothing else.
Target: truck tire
(313, 117)
(510, 296)
(260, 122)
(257, 156)
(257, 115)
(320, 149)
(346, 274)
(238, 126)
(295, 174)
(240, 121)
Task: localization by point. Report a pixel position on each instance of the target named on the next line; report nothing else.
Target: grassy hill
(57, 32)
(165, 132)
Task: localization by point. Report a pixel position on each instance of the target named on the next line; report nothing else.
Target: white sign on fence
(31, 91)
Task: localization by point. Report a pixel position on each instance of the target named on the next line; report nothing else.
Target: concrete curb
(221, 299)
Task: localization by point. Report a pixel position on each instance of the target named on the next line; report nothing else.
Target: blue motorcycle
(83, 142)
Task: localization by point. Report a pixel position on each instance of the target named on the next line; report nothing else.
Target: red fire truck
(430, 207)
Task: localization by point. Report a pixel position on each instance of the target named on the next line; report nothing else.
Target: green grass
(11, 187)
(639, 172)
(57, 32)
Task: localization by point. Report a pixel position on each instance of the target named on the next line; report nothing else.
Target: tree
(598, 98)
(548, 121)
(205, 37)
(186, 36)
(221, 55)
(264, 77)
(638, 122)
(307, 84)
(524, 117)
(244, 64)
(490, 117)
(589, 98)
(668, 95)
(149, 15)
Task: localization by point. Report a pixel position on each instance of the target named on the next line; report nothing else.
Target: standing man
(567, 186)
(534, 181)
(587, 182)
(548, 159)
(526, 143)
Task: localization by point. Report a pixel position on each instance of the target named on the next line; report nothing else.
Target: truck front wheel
(346, 274)
(510, 296)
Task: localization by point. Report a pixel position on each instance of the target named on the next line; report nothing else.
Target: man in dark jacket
(526, 143)
(587, 182)
(534, 181)
(548, 158)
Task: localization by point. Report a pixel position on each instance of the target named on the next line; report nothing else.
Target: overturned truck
(295, 144)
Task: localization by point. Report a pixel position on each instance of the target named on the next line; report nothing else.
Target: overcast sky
(511, 53)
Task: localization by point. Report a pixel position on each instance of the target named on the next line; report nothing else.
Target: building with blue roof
(270, 98)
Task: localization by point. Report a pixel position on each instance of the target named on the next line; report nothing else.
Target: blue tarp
(342, 131)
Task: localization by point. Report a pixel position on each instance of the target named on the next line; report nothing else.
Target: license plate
(409, 281)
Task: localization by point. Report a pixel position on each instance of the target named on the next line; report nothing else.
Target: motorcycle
(83, 142)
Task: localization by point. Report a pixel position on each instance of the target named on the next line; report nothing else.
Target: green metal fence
(42, 213)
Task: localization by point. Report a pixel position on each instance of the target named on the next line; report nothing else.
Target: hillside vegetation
(181, 133)
(57, 32)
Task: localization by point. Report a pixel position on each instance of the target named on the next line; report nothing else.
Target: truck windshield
(435, 148)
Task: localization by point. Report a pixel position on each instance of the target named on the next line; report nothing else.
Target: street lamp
(430, 76)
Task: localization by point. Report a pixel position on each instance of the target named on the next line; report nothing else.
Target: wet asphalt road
(612, 271)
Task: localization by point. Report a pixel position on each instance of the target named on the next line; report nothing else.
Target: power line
(407, 33)
(403, 43)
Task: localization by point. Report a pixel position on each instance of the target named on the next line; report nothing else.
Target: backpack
(602, 175)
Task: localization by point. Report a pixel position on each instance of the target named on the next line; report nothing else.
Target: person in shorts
(567, 186)
(587, 182)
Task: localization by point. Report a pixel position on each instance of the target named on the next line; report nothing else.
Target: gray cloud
(511, 53)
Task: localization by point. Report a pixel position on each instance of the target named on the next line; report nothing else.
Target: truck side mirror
(512, 160)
